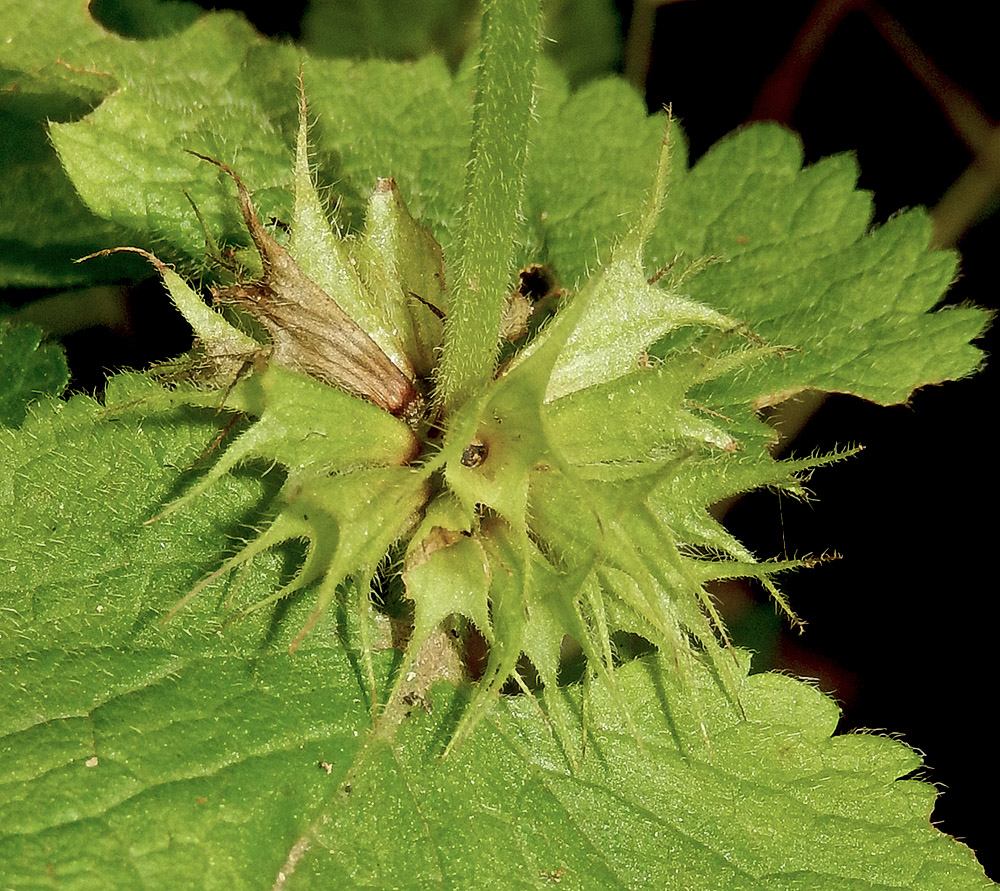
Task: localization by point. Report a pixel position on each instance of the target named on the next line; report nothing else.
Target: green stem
(494, 183)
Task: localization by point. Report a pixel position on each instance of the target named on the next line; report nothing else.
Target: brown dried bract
(309, 330)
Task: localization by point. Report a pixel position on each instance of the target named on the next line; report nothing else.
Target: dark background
(901, 630)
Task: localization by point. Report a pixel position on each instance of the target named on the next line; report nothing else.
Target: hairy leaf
(557, 490)
(29, 370)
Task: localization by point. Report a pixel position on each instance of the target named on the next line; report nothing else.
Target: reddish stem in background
(779, 96)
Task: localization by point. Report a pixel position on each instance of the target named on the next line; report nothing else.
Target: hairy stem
(494, 184)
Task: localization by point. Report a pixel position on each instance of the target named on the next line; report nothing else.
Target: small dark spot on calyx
(474, 454)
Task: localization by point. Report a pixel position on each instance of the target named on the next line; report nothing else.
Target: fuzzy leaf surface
(58, 64)
(794, 254)
(29, 370)
(140, 754)
(44, 225)
(189, 752)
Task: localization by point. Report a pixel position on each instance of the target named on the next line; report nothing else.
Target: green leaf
(578, 186)
(52, 62)
(142, 19)
(44, 225)
(803, 265)
(58, 64)
(582, 36)
(29, 370)
(386, 30)
(160, 755)
(132, 168)
(679, 813)
(165, 756)
(365, 117)
(565, 493)
(793, 253)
